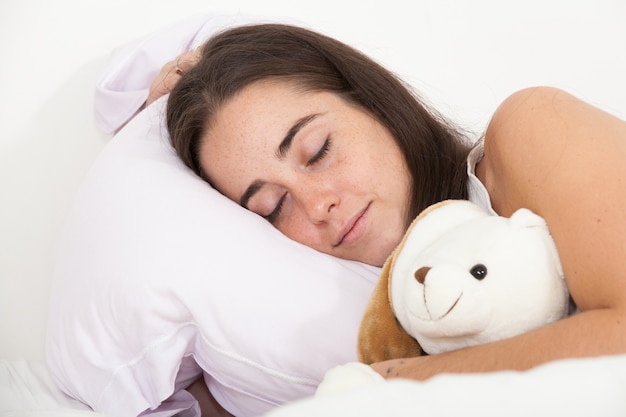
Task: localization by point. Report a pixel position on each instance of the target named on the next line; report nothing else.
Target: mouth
(353, 229)
(432, 316)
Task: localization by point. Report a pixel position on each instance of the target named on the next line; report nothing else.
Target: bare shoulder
(541, 134)
(565, 159)
(533, 110)
(545, 116)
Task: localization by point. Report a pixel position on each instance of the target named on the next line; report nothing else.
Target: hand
(388, 368)
(418, 367)
(171, 73)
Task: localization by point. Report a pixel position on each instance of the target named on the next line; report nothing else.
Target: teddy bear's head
(462, 277)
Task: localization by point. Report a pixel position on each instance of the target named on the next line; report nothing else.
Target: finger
(163, 83)
(186, 61)
(170, 74)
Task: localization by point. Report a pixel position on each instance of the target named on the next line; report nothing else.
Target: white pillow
(157, 269)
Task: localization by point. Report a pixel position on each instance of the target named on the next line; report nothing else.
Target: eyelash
(276, 212)
(320, 154)
(273, 216)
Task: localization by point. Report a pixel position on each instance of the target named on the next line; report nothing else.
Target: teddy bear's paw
(346, 377)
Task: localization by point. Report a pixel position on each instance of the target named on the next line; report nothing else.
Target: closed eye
(273, 216)
(320, 154)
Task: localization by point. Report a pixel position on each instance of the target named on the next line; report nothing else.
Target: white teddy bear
(459, 278)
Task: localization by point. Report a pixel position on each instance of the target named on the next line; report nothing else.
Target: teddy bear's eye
(479, 271)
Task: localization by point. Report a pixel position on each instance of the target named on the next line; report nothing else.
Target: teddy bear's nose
(420, 274)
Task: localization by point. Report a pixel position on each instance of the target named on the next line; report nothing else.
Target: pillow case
(160, 278)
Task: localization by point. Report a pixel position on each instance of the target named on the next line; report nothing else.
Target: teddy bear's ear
(380, 336)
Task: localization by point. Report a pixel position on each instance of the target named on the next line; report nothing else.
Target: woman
(339, 155)
(287, 69)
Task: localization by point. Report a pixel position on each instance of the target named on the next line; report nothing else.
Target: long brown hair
(434, 149)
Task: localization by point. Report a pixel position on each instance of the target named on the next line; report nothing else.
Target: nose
(319, 203)
(420, 274)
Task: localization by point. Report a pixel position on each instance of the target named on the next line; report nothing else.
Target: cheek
(297, 225)
(297, 228)
(361, 171)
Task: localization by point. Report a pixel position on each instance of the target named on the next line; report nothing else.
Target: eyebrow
(281, 152)
(285, 144)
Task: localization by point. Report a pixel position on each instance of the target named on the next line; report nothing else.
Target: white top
(477, 193)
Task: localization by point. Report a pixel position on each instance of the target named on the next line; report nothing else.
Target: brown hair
(435, 151)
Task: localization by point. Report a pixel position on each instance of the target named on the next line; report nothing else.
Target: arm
(170, 73)
(565, 160)
(143, 70)
(123, 85)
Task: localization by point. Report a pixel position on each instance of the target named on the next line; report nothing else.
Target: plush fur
(504, 274)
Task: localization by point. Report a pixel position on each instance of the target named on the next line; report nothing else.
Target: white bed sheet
(573, 388)
(583, 387)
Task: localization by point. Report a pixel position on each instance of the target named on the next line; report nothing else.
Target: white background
(463, 56)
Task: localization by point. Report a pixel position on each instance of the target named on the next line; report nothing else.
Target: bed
(111, 197)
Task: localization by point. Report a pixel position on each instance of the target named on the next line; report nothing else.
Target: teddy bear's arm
(381, 337)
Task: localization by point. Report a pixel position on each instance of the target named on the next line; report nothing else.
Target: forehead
(256, 106)
(244, 133)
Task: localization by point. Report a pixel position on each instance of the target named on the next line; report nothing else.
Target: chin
(375, 261)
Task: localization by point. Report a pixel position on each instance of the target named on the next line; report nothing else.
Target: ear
(380, 336)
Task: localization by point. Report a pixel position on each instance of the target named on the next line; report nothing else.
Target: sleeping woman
(338, 154)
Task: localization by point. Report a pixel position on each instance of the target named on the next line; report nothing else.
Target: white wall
(464, 56)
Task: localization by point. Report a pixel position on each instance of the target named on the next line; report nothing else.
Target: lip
(353, 229)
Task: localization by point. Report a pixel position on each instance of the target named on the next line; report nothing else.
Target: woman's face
(323, 171)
